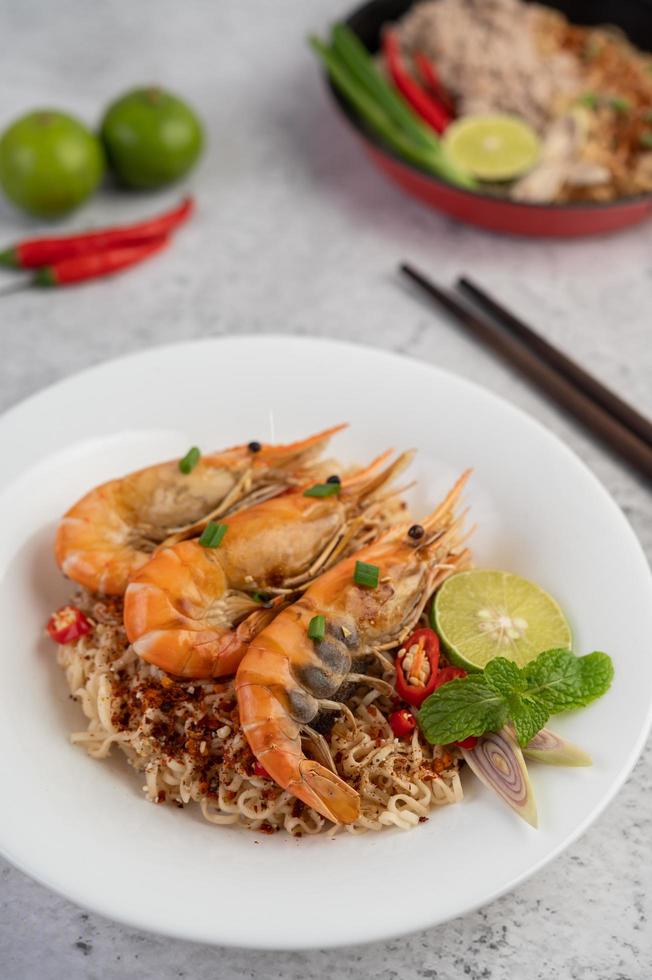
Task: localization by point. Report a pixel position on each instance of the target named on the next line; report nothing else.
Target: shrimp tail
(166, 614)
(194, 654)
(325, 792)
(233, 644)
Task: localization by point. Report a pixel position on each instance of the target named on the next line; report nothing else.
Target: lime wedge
(493, 147)
(482, 614)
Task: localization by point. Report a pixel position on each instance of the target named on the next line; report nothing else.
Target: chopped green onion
(645, 139)
(619, 104)
(589, 99)
(366, 575)
(317, 628)
(357, 60)
(212, 535)
(190, 460)
(322, 490)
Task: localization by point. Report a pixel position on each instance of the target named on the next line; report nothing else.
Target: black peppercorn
(416, 532)
(254, 447)
(333, 479)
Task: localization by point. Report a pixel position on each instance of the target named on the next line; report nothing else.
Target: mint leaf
(526, 714)
(556, 681)
(504, 677)
(560, 681)
(461, 708)
(528, 717)
(597, 673)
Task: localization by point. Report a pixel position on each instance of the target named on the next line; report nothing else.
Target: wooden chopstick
(555, 385)
(595, 390)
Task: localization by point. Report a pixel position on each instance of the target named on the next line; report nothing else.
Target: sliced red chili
(417, 667)
(67, 624)
(447, 674)
(468, 743)
(259, 770)
(402, 723)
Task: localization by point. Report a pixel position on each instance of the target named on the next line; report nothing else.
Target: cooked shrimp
(112, 531)
(286, 679)
(192, 610)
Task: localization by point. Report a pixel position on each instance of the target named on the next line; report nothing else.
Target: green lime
(151, 137)
(494, 147)
(49, 162)
(482, 614)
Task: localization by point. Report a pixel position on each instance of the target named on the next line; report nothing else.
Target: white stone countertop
(296, 234)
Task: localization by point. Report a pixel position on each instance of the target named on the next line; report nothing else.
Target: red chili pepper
(259, 770)
(67, 624)
(402, 723)
(421, 102)
(423, 660)
(468, 743)
(446, 674)
(96, 264)
(37, 252)
(432, 81)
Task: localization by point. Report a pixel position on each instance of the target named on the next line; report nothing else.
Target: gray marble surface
(295, 234)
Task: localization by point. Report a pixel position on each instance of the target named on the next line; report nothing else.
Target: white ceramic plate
(83, 828)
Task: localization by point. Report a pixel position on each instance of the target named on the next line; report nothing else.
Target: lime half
(496, 147)
(481, 614)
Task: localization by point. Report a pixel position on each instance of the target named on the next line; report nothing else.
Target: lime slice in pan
(482, 614)
(496, 147)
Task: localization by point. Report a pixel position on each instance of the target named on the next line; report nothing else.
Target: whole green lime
(151, 137)
(49, 162)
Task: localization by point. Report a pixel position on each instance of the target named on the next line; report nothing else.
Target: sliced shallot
(498, 762)
(554, 750)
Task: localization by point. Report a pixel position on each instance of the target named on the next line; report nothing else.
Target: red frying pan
(499, 214)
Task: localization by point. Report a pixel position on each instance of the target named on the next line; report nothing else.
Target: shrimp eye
(254, 447)
(333, 479)
(416, 532)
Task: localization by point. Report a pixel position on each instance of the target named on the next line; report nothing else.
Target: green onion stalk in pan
(359, 62)
(431, 158)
